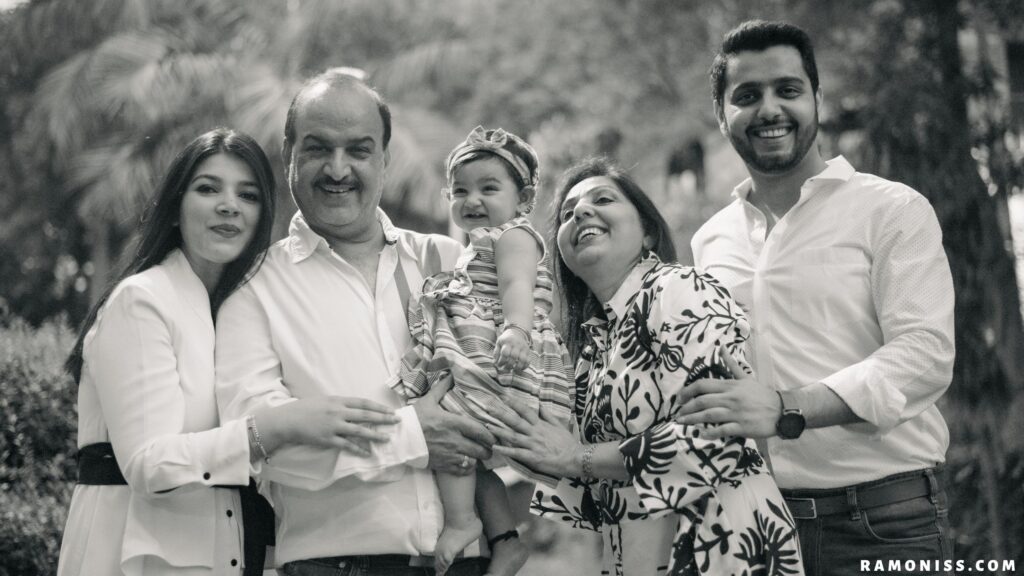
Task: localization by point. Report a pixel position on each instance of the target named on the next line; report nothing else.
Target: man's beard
(775, 164)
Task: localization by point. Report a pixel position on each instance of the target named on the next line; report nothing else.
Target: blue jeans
(378, 566)
(915, 529)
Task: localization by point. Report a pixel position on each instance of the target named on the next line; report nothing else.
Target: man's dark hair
(757, 35)
(337, 78)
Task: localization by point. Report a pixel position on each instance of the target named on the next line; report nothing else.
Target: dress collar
(620, 301)
(624, 296)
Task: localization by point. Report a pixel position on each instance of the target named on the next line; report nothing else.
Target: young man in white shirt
(850, 299)
(325, 316)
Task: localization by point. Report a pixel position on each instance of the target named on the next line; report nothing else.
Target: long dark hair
(578, 302)
(159, 234)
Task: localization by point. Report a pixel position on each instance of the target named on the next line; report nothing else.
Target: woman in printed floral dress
(668, 498)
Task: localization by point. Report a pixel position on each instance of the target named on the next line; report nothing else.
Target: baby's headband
(495, 144)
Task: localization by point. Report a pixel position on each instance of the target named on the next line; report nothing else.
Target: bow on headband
(497, 139)
(495, 144)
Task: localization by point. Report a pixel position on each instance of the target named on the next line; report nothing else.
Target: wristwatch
(791, 423)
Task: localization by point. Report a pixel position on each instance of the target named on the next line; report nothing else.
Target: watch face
(790, 425)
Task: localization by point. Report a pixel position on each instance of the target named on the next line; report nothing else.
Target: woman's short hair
(579, 303)
(159, 232)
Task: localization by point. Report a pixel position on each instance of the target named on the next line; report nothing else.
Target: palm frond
(50, 27)
(433, 63)
(64, 99)
(420, 143)
(115, 181)
(160, 83)
(258, 104)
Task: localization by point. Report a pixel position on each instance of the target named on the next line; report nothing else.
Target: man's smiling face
(769, 111)
(336, 164)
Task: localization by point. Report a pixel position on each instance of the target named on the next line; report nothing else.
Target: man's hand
(349, 424)
(742, 406)
(454, 442)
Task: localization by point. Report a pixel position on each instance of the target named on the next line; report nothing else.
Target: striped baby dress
(454, 326)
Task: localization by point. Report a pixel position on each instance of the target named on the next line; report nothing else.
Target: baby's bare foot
(454, 539)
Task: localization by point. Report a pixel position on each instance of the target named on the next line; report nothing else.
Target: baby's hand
(511, 351)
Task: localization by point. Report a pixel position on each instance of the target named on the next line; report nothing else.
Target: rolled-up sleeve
(912, 289)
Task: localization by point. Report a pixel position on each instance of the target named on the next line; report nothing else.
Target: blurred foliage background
(98, 95)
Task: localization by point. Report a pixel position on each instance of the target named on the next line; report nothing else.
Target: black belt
(97, 466)
(803, 506)
(382, 562)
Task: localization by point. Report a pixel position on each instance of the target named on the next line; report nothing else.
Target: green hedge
(37, 445)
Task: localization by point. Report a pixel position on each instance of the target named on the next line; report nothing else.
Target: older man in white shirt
(850, 299)
(325, 315)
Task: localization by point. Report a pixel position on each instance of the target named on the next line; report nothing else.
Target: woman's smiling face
(600, 233)
(220, 211)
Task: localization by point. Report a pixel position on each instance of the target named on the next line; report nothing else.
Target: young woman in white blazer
(164, 486)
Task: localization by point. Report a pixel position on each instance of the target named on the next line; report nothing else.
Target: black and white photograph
(498, 288)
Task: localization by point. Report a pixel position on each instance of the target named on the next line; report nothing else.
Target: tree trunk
(988, 304)
(990, 343)
(989, 462)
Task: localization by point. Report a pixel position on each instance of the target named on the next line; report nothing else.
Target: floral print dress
(691, 505)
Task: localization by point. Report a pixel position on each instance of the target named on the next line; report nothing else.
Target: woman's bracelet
(509, 324)
(254, 438)
(588, 461)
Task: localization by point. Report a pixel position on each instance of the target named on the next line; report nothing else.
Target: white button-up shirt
(309, 325)
(852, 289)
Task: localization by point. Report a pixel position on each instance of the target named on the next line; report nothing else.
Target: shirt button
(206, 475)
(234, 562)
(342, 564)
(230, 513)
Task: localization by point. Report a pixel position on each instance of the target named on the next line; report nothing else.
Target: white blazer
(147, 387)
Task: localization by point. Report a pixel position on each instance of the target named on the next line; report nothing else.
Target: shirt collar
(190, 286)
(837, 170)
(303, 241)
(616, 306)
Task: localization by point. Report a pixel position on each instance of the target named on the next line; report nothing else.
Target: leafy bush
(37, 445)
